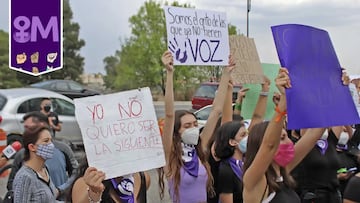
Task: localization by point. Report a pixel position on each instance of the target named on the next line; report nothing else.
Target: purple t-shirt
(192, 189)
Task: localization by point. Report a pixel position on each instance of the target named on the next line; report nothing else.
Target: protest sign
(120, 132)
(317, 97)
(35, 38)
(197, 37)
(252, 96)
(248, 67)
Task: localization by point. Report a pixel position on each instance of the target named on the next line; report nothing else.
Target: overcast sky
(105, 23)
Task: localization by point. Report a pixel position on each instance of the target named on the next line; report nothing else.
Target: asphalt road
(153, 191)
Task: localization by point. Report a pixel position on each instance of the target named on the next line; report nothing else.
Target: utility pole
(248, 5)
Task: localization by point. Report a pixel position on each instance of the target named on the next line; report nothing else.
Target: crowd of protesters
(225, 161)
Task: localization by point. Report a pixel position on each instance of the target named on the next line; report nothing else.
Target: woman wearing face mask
(54, 123)
(187, 170)
(230, 147)
(32, 182)
(271, 155)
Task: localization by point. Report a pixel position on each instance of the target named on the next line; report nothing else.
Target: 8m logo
(24, 34)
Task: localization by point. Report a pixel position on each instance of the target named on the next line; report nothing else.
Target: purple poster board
(317, 97)
(35, 39)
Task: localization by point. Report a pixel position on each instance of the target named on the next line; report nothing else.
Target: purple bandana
(323, 145)
(236, 166)
(192, 166)
(125, 189)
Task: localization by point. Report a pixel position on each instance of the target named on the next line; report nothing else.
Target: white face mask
(191, 136)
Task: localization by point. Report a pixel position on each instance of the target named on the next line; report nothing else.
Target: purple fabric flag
(35, 39)
(317, 97)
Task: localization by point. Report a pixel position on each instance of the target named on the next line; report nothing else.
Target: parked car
(202, 115)
(16, 102)
(205, 94)
(68, 88)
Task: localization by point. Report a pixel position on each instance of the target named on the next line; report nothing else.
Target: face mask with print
(242, 144)
(191, 136)
(46, 151)
(47, 108)
(285, 154)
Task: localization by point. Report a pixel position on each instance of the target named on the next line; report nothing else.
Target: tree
(7, 76)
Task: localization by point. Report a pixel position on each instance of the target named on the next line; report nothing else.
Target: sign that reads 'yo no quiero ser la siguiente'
(36, 42)
(197, 37)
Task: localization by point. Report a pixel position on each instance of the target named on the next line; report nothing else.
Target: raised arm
(168, 129)
(227, 111)
(260, 108)
(218, 104)
(304, 145)
(255, 174)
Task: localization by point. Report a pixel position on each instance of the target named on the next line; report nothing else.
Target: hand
(282, 80)
(241, 94)
(93, 178)
(168, 61)
(265, 86)
(345, 77)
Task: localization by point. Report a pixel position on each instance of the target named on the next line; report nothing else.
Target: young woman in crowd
(225, 142)
(187, 170)
(90, 187)
(32, 182)
(271, 155)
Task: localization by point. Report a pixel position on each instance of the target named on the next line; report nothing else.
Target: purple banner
(35, 40)
(317, 97)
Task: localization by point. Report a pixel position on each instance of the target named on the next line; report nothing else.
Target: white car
(203, 114)
(16, 102)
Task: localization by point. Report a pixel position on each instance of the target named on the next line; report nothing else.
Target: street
(153, 191)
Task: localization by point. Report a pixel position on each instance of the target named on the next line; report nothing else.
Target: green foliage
(7, 76)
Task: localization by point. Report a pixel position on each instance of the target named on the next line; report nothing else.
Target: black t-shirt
(55, 119)
(228, 182)
(214, 165)
(285, 194)
(352, 189)
(317, 171)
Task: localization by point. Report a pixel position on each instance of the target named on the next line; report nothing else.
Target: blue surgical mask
(46, 151)
(242, 144)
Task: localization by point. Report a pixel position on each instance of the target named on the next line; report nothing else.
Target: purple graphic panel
(317, 97)
(35, 38)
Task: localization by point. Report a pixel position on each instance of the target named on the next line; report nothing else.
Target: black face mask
(47, 108)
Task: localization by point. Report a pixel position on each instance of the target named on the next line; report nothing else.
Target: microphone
(11, 150)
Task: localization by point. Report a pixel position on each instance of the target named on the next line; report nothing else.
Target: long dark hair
(175, 158)
(227, 131)
(256, 136)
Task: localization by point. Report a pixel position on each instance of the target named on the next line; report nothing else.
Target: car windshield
(206, 91)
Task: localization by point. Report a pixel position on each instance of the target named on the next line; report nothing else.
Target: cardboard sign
(120, 132)
(317, 97)
(248, 67)
(197, 37)
(35, 38)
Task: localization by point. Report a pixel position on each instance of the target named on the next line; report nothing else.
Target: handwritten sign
(248, 67)
(197, 37)
(317, 97)
(120, 132)
(35, 39)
